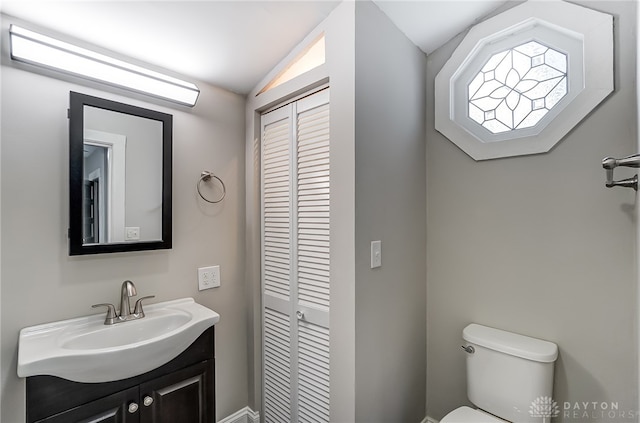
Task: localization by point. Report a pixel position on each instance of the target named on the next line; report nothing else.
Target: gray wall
(390, 206)
(41, 283)
(537, 245)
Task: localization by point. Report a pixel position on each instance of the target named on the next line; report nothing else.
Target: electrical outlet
(132, 233)
(208, 277)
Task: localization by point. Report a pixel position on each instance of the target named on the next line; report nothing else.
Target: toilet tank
(508, 374)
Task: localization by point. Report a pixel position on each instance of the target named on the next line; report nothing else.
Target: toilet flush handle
(469, 349)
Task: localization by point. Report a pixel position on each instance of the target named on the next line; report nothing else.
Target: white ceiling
(231, 44)
(431, 23)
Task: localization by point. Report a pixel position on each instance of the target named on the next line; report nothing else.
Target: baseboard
(246, 415)
(253, 416)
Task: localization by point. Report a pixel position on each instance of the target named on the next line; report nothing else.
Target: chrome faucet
(127, 290)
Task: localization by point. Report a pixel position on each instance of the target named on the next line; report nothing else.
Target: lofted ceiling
(431, 23)
(230, 44)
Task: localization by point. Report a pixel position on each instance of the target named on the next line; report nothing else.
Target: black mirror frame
(77, 101)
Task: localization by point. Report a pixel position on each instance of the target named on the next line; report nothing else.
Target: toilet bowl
(466, 414)
(507, 373)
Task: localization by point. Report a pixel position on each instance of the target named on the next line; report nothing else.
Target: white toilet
(509, 377)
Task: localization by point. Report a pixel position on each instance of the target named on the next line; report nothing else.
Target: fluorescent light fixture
(37, 49)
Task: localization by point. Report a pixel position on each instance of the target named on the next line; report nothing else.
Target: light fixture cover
(37, 49)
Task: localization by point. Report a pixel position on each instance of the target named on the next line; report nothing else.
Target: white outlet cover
(132, 233)
(215, 283)
(208, 277)
(205, 278)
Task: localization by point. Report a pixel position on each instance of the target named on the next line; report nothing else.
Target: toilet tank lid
(511, 343)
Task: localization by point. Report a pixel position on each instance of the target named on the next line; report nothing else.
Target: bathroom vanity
(183, 387)
(156, 368)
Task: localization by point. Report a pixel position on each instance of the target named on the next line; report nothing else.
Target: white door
(295, 260)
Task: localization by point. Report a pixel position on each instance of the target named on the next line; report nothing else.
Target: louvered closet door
(295, 260)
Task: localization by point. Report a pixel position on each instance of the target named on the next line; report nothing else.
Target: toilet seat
(466, 414)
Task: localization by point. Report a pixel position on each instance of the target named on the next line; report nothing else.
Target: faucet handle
(111, 313)
(138, 307)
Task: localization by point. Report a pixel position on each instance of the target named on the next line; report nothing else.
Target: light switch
(376, 254)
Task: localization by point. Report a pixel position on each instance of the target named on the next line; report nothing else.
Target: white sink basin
(87, 350)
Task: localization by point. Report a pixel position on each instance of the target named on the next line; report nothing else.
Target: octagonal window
(521, 80)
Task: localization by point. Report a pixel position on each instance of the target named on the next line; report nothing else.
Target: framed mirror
(120, 169)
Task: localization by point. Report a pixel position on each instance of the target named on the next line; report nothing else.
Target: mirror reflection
(122, 197)
(120, 177)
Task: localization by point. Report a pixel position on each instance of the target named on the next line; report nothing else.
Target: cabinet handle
(133, 407)
(299, 315)
(147, 401)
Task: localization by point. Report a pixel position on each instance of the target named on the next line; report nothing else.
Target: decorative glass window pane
(517, 82)
(517, 87)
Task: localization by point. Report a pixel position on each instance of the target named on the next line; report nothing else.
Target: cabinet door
(121, 407)
(185, 396)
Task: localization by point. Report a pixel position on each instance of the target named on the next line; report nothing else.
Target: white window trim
(573, 29)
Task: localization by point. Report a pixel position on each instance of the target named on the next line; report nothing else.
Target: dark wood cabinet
(110, 409)
(178, 397)
(180, 391)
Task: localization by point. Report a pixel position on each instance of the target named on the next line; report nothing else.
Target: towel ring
(205, 176)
